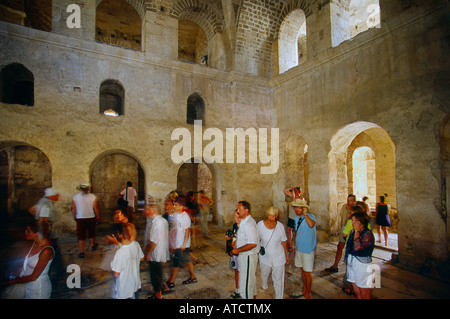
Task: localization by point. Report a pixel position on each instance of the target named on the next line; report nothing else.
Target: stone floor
(216, 278)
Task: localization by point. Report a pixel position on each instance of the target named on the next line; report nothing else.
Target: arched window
(195, 109)
(351, 17)
(118, 23)
(17, 85)
(112, 96)
(192, 43)
(36, 14)
(292, 40)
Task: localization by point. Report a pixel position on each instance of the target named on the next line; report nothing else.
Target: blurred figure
(86, 213)
(125, 265)
(275, 255)
(157, 250)
(32, 281)
(169, 215)
(182, 256)
(345, 215)
(230, 237)
(45, 212)
(204, 204)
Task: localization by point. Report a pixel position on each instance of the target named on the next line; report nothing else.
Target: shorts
(85, 225)
(305, 261)
(341, 237)
(359, 273)
(291, 223)
(181, 257)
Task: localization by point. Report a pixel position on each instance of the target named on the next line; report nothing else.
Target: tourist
(204, 205)
(157, 251)
(305, 243)
(182, 256)
(230, 237)
(382, 219)
(32, 281)
(86, 213)
(247, 247)
(45, 212)
(358, 256)
(125, 265)
(345, 215)
(274, 253)
(292, 193)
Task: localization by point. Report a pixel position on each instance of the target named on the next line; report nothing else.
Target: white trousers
(247, 275)
(277, 278)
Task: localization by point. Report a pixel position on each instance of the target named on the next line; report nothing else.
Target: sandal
(189, 281)
(81, 255)
(331, 269)
(170, 284)
(348, 290)
(153, 297)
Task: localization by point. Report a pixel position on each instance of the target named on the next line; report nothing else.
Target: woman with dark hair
(358, 256)
(382, 219)
(33, 277)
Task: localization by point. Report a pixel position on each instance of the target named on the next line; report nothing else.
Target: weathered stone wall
(384, 78)
(385, 83)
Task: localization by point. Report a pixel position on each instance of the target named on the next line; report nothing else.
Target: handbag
(123, 202)
(262, 250)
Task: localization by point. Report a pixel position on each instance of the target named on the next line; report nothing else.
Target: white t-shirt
(271, 240)
(248, 234)
(183, 222)
(159, 234)
(130, 194)
(85, 205)
(126, 262)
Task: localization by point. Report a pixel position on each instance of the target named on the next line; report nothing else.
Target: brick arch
(290, 6)
(207, 15)
(139, 5)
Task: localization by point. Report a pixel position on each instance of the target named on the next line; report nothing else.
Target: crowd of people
(171, 231)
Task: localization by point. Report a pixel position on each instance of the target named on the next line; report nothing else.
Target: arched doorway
(109, 174)
(341, 166)
(25, 173)
(193, 176)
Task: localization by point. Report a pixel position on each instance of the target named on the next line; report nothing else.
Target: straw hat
(300, 203)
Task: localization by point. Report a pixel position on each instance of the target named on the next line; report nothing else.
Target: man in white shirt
(129, 194)
(86, 213)
(247, 247)
(157, 250)
(182, 256)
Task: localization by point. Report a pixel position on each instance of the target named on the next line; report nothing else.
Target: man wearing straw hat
(305, 243)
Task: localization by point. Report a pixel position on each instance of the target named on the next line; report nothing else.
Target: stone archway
(343, 144)
(199, 175)
(109, 174)
(25, 173)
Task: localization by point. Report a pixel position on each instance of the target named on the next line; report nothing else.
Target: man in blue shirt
(305, 243)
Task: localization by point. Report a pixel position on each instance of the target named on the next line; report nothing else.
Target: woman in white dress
(34, 273)
(274, 256)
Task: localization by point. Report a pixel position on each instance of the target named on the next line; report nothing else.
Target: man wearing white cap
(305, 243)
(44, 209)
(85, 212)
